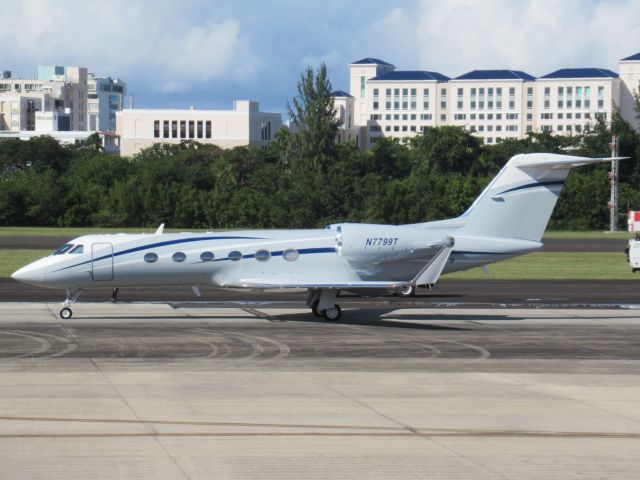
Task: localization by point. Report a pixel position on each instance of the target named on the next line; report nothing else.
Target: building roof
(412, 75)
(340, 93)
(496, 75)
(581, 73)
(371, 61)
(632, 58)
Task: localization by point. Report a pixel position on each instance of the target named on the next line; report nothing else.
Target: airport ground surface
(158, 391)
(466, 381)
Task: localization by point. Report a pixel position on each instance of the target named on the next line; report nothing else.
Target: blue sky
(208, 53)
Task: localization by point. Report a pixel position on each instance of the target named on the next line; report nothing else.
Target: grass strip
(555, 266)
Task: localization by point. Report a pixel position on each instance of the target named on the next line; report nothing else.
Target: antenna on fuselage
(160, 229)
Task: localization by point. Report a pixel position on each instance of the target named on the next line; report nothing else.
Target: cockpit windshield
(77, 249)
(63, 249)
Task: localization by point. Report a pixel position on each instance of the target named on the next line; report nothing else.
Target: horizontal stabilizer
(554, 162)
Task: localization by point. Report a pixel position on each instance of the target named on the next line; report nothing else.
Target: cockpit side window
(63, 249)
(77, 249)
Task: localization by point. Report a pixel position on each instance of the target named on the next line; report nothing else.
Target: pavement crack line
(414, 431)
(151, 431)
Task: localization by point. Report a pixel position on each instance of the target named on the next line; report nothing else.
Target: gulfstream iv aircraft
(506, 220)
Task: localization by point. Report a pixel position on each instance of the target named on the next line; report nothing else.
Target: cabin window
(63, 249)
(78, 249)
(179, 257)
(291, 254)
(235, 256)
(263, 255)
(150, 257)
(207, 256)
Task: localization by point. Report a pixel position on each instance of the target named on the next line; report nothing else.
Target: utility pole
(613, 178)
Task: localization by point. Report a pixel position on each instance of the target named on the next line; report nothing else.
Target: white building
(242, 126)
(90, 101)
(106, 96)
(493, 104)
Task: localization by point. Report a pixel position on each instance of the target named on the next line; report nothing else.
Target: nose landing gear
(72, 295)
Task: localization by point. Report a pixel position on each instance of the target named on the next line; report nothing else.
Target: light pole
(613, 178)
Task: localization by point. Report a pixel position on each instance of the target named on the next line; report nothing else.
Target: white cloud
(535, 35)
(127, 39)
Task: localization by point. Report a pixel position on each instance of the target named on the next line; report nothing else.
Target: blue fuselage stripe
(302, 251)
(159, 244)
(535, 185)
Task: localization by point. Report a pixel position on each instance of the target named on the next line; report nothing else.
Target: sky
(208, 53)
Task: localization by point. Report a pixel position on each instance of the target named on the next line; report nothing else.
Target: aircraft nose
(28, 274)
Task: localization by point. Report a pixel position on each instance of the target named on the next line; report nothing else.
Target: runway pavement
(448, 293)
(157, 391)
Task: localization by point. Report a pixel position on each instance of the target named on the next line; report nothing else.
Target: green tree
(312, 113)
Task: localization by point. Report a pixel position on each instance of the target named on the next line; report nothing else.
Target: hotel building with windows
(81, 101)
(493, 104)
(243, 126)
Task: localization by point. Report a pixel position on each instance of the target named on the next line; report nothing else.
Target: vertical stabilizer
(520, 200)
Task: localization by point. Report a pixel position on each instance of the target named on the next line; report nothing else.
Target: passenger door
(102, 262)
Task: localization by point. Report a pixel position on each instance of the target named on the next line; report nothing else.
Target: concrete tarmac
(192, 392)
(461, 293)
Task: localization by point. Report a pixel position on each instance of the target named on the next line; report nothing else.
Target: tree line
(304, 179)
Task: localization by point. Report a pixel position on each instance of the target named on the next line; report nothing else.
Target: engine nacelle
(379, 243)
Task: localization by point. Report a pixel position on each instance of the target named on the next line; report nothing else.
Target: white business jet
(506, 220)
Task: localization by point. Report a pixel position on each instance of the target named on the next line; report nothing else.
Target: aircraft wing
(346, 285)
(429, 274)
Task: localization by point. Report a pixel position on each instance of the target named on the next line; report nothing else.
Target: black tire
(316, 312)
(332, 314)
(409, 291)
(66, 313)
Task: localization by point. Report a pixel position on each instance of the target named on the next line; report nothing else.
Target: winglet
(431, 272)
(160, 229)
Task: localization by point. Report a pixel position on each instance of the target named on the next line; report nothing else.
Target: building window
(208, 129)
(174, 129)
(569, 97)
(547, 95)
(192, 129)
(600, 97)
(375, 105)
(376, 92)
(200, 132)
(425, 99)
(156, 129)
(165, 129)
(443, 98)
(183, 129)
(530, 98)
(499, 98)
(362, 80)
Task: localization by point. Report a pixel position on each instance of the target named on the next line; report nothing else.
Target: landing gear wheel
(409, 291)
(314, 309)
(332, 314)
(66, 313)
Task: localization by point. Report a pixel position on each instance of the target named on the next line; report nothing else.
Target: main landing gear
(322, 304)
(66, 312)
